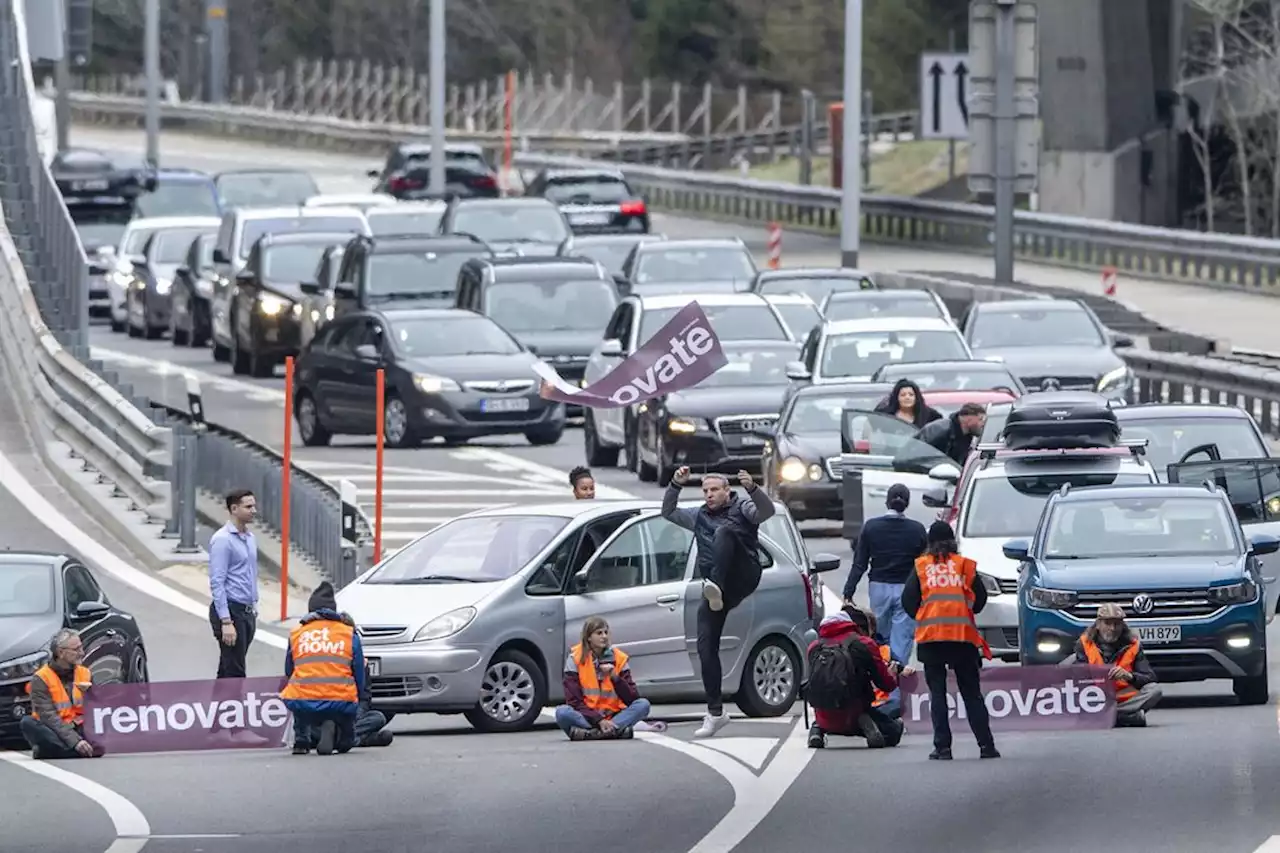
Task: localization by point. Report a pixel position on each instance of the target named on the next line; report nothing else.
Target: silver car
(476, 616)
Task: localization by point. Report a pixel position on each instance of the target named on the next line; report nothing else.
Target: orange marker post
(507, 121)
(286, 488)
(377, 489)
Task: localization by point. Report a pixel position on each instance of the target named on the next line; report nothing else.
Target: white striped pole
(775, 245)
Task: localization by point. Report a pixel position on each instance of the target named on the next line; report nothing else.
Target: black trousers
(962, 659)
(232, 659)
(737, 576)
(46, 740)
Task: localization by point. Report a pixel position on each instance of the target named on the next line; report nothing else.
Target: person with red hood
(849, 629)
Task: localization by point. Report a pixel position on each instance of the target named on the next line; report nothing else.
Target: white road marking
(751, 751)
(1271, 845)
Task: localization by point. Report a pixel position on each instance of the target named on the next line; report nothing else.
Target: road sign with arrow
(944, 107)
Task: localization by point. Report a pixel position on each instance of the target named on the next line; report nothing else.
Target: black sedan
(959, 375)
(407, 172)
(509, 226)
(595, 200)
(715, 426)
(40, 594)
(192, 294)
(89, 177)
(450, 374)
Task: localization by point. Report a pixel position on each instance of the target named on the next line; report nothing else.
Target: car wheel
(664, 470)
(1252, 691)
(645, 472)
(309, 427)
(116, 325)
(597, 455)
(134, 331)
(545, 435)
(630, 445)
(221, 354)
(512, 694)
(396, 428)
(239, 358)
(261, 367)
(138, 673)
(178, 337)
(770, 680)
(153, 332)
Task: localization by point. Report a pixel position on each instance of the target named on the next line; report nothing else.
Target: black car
(592, 200)
(817, 283)
(868, 304)
(190, 299)
(449, 374)
(407, 172)
(264, 188)
(959, 375)
(267, 302)
(148, 300)
(317, 294)
(709, 265)
(715, 425)
(42, 593)
(510, 226)
(86, 176)
(609, 250)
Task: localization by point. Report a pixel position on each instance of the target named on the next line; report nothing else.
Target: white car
(417, 218)
(798, 311)
(853, 350)
(360, 201)
(129, 255)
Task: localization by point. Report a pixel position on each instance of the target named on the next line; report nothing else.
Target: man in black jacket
(954, 435)
(726, 530)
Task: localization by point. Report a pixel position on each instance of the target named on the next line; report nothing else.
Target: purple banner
(168, 716)
(1024, 699)
(680, 355)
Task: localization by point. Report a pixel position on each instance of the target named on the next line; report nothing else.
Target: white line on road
(1271, 845)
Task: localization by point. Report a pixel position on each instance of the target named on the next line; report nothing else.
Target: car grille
(1065, 383)
(1169, 603)
(398, 687)
(500, 386)
(835, 470)
(735, 430)
(1008, 586)
(381, 632)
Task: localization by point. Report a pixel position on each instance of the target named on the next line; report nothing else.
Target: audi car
(407, 172)
(593, 200)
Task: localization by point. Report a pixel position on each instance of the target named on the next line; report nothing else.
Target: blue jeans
(893, 622)
(568, 718)
(306, 729)
(892, 708)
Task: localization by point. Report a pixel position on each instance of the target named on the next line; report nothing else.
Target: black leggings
(736, 581)
(963, 660)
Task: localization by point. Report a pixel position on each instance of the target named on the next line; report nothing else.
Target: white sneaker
(711, 592)
(712, 724)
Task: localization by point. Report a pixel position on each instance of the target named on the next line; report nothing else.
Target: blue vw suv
(1173, 556)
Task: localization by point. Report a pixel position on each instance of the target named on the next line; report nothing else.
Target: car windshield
(265, 189)
(511, 223)
(817, 289)
(609, 255)
(863, 353)
(401, 274)
(256, 229)
(596, 189)
(1140, 527)
(179, 198)
(751, 367)
(1036, 327)
(673, 263)
(427, 337)
(26, 590)
(729, 322)
(864, 306)
(888, 437)
(387, 220)
(800, 317)
(1011, 506)
(94, 234)
(292, 264)
(551, 306)
(170, 247)
(977, 376)
(136, 240)
(471, 550)
(1169, 439)
(813, 413)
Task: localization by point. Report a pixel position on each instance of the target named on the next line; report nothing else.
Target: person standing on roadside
(584, 485)
(726, 530)
(233, 584)
(55, 728)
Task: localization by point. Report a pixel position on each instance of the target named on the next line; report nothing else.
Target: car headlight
(428, 384)
(140, 284)
(163, 286)
(270, 305)
(204, 287)
(991, 584)
(682, 426)
(1236, 593)
(1115, 380)
(1051, 599)
(793, 470)
(120, 279)
(23, 667)
(328, 312)
(446, 625)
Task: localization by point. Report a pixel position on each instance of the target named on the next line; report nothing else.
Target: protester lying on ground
(326, 670)
(1111, 643)
(845, 668)
(602, 700)
(55, 728)
(887, 703)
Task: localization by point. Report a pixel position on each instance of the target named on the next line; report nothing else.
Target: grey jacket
(42, 705)
(745, 516)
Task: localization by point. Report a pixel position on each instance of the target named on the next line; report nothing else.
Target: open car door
(1253, 486)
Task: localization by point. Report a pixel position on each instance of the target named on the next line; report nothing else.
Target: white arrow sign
(944, 92)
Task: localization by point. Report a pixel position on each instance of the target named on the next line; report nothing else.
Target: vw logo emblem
(1142, 604)
(1051, 384)
(19, 711)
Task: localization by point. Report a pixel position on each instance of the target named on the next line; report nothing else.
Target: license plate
(374, 665)
(751, 441)
(90, 185)
(590, 218)
(512, 404)
(1156, 634)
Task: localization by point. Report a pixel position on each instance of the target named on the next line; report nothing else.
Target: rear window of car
(596, 189)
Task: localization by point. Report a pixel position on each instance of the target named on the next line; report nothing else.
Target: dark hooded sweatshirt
(920, 416)
(744, 517)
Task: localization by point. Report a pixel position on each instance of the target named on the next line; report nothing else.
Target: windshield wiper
(437, 579)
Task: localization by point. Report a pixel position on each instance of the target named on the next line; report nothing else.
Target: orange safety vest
(70, 708)
(946, 602)
(599, 695)
(881, 697)
(323, 652)
(1124, 690)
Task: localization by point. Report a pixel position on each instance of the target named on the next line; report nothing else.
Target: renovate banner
(680, 355)
(1023, 699)
(172, 716)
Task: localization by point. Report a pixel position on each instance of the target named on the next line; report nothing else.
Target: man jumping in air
(726, 529)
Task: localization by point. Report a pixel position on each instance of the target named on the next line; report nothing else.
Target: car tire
(137, 672)
(1254, 690)
(307, 413)
(134, 331)
(394, 410)
(221, 354)
(630, 443)
(261, 367)
(598, 456)
(239, 358)
(153, 333)
(178, 337)
(770, 679)
(545, 435)
(645, 472)
(116, 325)
(512, 693)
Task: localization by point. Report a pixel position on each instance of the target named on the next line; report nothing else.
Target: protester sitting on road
(584, 485)
(326, 670)
(954, 436)
(943, 595)
(845, 670)
(602, 700)
(887, 703)
(906, 403)
(727, 532)
(55, 728)
(1110, 642)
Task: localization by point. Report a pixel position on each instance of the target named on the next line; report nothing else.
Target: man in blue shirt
(233, 584)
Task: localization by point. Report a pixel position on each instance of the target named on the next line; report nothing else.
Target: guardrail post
(350, 509)
(186, 441)
(806, 138)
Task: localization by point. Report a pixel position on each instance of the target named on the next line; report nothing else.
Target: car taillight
(861, 445)
(484, 182)
(631, 208)
(808, 593)
(400, 184)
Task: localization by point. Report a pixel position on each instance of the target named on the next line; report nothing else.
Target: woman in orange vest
(1109, 642)
(601, 698)
(325, 667)
(942, 596)
(55, 728)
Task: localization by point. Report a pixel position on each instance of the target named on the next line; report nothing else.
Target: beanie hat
(323, 598)
(940, 531)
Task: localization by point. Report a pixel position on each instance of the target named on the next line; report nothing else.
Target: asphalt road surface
(1202, 777)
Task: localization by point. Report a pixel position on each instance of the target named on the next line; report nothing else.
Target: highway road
(1202, 777)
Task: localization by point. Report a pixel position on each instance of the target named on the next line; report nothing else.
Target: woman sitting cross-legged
(602, 702)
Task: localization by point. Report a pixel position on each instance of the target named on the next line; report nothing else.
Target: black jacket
(888, 545)
(947, 437)
(921, 416)
(743, 517)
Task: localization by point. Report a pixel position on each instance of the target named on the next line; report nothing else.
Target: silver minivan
(476, 616)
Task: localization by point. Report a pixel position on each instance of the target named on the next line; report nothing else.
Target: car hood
(720, 402)
(22, 635)
(1054, 361)
(810, 446)
(551, 344)
(410, 605)
(1154, 573)
(989, 555)
(522, 249)
(471, 367)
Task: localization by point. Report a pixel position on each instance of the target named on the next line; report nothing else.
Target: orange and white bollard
(1109, 281)
(775, 245)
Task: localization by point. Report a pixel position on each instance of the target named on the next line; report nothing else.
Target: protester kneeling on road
(603, 702)
(369, 722)
(888, 703)
(845, 670)
(326, 671)
(55, 728)
(1111, 643)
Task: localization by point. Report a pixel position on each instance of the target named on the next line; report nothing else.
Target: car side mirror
(310, 288)
(945, 472)
(1121, 341)
(367, 352)
(796, 370)
(91, 610)
(1261, 544)
(824, 563)
(935, 499)
(580, 582)
(344, 290)
(611, 348)
(220, 257)
(621, 280)
(1016, 549)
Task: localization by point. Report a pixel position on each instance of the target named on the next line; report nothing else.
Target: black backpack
(839, 674)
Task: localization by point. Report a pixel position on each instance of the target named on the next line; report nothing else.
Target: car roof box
(1061, 420)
